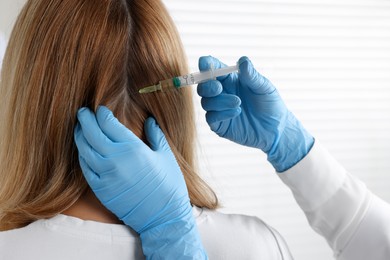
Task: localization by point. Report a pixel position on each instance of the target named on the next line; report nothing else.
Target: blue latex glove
(247, 109)
(143, 186)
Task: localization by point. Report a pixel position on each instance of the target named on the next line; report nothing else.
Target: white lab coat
(355, 222)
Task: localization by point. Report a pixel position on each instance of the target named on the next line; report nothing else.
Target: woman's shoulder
(9, 236)
(16, 242)
(236, 236)
(68, 226)
(65, 237)
(217, 218)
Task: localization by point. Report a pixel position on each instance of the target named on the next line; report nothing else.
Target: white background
(2, 47)
(330, 60)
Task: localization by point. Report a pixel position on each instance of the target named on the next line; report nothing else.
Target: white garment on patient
(225, 236)
(355, 222)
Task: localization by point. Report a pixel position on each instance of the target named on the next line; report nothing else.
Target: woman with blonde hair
(68, 54)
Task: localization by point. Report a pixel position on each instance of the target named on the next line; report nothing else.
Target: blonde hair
(65, 54)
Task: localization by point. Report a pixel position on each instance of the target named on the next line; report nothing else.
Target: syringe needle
(150, 89)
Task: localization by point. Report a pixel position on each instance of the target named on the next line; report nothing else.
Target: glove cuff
(292, 145)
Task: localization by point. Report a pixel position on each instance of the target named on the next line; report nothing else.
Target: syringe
(189, 79)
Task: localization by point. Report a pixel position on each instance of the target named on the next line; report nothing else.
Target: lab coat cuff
(334, 201)
(315, 179)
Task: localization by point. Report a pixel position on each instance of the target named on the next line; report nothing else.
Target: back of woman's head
(65, 54)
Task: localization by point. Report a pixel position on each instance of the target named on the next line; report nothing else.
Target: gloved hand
(247, 109)
(143, 186)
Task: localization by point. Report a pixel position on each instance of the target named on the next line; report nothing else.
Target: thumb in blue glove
(143, 186)
(247, 109)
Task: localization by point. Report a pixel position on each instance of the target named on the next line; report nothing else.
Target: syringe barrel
(166, 84)
(225, 70)
(193, 78)
(199, 77)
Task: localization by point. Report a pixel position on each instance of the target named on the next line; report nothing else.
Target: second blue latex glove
(247, 109)
(143, 186)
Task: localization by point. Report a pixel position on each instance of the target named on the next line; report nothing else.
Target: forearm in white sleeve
(339, 207)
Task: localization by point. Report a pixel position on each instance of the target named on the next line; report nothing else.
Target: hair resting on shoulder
(65, 54)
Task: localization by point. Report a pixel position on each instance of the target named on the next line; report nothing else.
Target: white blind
(2, 47)
(330, 59)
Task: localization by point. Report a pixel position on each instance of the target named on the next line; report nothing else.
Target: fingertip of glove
(106, 118)
(104, 112)
(209, 88)
(82, 111)
(150, 122)
(250, 77)
(84, 116)
(245, 65)
(103, 109)
(151, 126)
(243, 59)
(237, 102)
(204, 62)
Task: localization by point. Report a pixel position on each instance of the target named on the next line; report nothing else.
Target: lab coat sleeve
(355, 222)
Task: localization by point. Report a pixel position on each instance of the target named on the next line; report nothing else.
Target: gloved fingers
(229, 81)
(208, 62)
(91, 177)
(93, 133)
(214, 117)
(155, 135)
(249, 77)
(95, 161)
(221, 103)
(210, 88)
(95, 136)
(112, 128)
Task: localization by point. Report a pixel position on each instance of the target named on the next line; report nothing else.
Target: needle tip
(148, 89)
